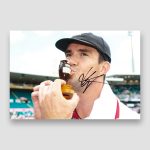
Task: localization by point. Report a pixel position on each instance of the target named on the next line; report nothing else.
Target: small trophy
(64, 74)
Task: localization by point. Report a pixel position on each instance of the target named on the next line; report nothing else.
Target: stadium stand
(21, 86)
(127, 88)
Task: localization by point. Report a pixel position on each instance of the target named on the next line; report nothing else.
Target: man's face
(84, 65)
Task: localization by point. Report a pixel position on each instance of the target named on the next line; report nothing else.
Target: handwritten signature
(86, 80)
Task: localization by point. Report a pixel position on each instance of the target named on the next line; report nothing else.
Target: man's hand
(49, 102)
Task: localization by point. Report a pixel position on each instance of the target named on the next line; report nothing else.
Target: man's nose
(72, 61)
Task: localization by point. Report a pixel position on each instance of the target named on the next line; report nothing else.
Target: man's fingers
(41, 92)
(37, 111)
(36, 88)
(56, 86)
(35, 95)
(46, 83)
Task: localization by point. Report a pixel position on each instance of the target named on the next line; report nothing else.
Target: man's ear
(104, 67)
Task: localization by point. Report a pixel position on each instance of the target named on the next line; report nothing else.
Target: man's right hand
(49, 102)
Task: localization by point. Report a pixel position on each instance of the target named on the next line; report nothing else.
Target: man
(89, 57)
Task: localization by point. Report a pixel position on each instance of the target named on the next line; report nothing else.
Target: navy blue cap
(88, 39)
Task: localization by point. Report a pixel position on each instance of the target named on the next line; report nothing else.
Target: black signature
(88, 80)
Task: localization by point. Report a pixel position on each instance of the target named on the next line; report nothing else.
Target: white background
(34, 52)
(74, 15)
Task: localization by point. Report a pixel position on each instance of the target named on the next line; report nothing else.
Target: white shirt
(105, 106)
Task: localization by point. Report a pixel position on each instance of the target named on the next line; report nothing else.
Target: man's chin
(72, 81)
(75, 84)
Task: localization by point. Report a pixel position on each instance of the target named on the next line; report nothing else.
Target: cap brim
(62, 44)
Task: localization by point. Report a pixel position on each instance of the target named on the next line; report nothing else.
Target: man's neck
(88, 98)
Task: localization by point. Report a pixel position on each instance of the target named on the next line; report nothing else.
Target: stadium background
(125, 86)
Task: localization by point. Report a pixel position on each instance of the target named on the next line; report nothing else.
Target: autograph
(88, 80)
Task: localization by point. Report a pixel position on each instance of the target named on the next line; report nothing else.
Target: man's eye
(68, 54)
(84, 54)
